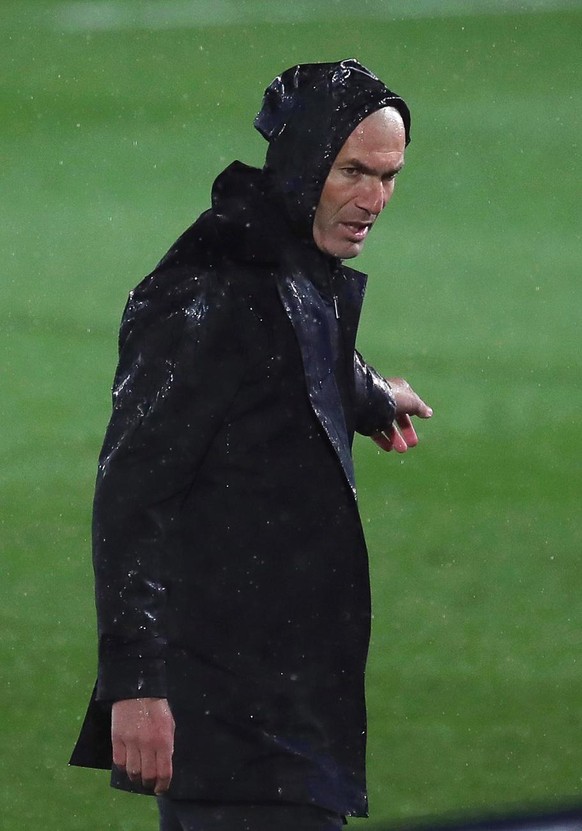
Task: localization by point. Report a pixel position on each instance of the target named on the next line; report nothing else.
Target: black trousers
(185, 815)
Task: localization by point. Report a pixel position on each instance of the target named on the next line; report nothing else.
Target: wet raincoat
(231, 569)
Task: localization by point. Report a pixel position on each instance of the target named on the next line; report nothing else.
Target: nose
(373, 196)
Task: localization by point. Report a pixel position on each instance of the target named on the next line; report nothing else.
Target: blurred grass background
(114, 126)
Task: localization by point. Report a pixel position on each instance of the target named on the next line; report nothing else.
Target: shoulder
(224, 302)
(177, 299)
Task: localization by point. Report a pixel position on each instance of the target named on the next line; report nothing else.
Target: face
(360, 184)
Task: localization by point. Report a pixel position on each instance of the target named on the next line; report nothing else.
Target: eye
(351, 172)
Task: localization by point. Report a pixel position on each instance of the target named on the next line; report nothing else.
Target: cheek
(322, 215)
(332, 199)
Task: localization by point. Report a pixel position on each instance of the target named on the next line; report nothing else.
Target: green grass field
(111, 138)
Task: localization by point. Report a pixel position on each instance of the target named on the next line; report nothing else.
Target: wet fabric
(231, 569)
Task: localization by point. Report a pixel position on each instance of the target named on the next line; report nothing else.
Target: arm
(374, 400)
(384, 407)
(179, 369)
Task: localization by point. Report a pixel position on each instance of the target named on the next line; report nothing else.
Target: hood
(246, 223)
(308, 112)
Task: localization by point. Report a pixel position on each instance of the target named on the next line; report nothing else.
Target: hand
(142, 733)
(401, 434)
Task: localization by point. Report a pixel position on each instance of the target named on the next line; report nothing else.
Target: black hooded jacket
(231, 570)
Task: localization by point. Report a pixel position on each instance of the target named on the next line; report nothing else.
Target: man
(231, 571)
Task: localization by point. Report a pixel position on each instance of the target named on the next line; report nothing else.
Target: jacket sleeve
(180, 366)
(375, 404)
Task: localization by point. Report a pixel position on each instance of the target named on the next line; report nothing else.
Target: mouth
(357, 231)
